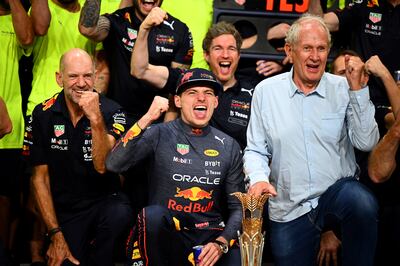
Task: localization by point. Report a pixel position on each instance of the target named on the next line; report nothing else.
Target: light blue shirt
(302, 144)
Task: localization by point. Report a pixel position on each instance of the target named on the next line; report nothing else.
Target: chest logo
(211, 153)
(219, 139)
(132, 34)
(375, 17)
(171, 25)
(250, 91)
(182, 148)
(59, 130)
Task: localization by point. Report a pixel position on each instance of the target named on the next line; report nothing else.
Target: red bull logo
(130, 134)
(191, 208)
(193, 194)
(186, 77)
(372, 3)
(49, 103)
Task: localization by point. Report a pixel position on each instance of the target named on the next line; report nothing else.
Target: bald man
(78, 199)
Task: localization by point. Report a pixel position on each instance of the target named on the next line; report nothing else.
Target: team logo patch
(59, 130)
(372, 3)
(49, 103)
(128, 17)
(211, 153)
(182, 148)
(132, 34)
(375, 17)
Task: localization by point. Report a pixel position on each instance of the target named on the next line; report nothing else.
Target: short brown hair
(219, 29)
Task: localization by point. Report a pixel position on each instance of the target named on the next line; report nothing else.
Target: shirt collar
(194, 131)
(320, 90)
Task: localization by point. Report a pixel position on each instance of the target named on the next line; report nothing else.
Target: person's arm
(101, 141)
(125, 153)
(5, 121)
(331, 20)
(361, 125)
(41, 16)
(22, 23)
(91, 24)
(375, 66)
(257, 155)
(382, 159)
(58, 249)
(157, 76)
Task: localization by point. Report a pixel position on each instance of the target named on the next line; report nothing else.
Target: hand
(211, 253)
(262, 187)
(355, 72)
(89, 103)
(375, 67)
(240, 2)
(268, 68)
(157, 107)
(328, 249)
(154, 18)
(278, 31)
(59, 251)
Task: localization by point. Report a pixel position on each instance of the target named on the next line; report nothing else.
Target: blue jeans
(349, 206)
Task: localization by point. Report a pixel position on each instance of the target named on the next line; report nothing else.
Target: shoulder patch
(49, 103)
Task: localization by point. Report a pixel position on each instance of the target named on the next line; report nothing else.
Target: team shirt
(169, 42)
(67, 150)
(375, 26)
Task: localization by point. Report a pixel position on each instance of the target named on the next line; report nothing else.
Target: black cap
(198, 77)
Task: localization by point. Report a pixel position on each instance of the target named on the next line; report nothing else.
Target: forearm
(41, 16)
(315, 8)
(392, 91)
(22, 23)
(91, 24)
(101, 144)
(140, 54)
(42, 194)
(382, 160)
(362, 127)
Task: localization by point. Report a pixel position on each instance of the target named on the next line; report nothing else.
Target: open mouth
(225, 67)
(148, 4)
(200, 111)
(313, 67)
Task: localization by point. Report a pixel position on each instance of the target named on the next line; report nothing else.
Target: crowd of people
(126, 147)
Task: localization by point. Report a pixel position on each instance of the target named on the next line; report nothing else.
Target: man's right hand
(262, 187)
(154, 18)
(59, 251)
(157, 107)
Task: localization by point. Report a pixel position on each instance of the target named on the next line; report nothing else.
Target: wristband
(52, 232)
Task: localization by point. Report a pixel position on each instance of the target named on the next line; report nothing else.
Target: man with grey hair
(300, 140)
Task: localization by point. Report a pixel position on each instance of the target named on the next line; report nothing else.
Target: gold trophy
(251, 240)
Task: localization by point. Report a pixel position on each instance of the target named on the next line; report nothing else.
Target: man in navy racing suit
(193, 170)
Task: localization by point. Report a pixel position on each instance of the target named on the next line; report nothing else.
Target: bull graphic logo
(49, 103)
(186, 77)
(193, 194)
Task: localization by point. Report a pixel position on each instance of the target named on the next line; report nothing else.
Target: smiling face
(76, 74)
(197, 105)
(309, 54)
(223, 58)
(143, 7)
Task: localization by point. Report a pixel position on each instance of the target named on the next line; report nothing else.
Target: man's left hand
(210, 254)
